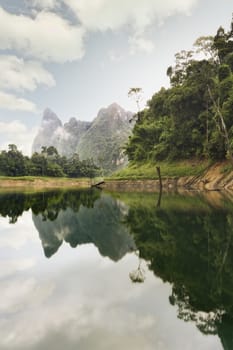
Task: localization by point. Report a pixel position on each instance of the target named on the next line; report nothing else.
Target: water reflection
(100, 224)
(49, 204)
(187, 242)
(190, 245)
(76, 217)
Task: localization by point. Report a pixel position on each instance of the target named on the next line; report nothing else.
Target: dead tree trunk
(160, 186)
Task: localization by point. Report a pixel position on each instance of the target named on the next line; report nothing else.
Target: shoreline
(25, 183)
(212, 179)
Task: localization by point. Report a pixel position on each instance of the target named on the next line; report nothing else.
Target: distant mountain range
(102, 140)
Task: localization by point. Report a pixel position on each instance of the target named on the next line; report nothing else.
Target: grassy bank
(36, 182)
(148, 170)
(41, 178)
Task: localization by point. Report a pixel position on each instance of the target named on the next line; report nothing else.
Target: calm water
(87, 270)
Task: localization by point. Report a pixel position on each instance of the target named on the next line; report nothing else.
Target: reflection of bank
(193, 250)
(101, 224)
(225, 332)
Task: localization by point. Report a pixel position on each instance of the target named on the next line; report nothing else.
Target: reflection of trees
(13, 206)
(48, 204)
(100, 224)
(138, 275)
(193, 250)
(76, 217)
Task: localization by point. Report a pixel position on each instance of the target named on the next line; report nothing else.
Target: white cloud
(15, 127)
(18, 74)
(104, 14)
(10, 238)
(49, 37)
(74, 314)
(46, 37)
(139, 43)
(21, 292)
(14, 103)
(17, 133)
(9, 267)
(134, 15)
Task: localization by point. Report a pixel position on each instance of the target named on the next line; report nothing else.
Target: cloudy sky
(77, 56)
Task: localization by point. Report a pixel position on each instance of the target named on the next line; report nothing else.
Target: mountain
(47, 134)
(103, 139)
(53, 133)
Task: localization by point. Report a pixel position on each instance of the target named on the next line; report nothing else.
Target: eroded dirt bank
(216, 177)
(40, 184)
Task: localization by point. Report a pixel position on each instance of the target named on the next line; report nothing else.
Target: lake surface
(89, 270)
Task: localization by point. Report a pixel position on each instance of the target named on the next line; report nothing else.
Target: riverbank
(185, 176)
(218, 176)
(42, 183)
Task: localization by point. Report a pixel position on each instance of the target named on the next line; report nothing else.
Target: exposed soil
(215, 178)
(39, 184)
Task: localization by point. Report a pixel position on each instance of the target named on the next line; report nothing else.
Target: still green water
(89, 270)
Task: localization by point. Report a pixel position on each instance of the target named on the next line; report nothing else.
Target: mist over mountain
(102, 140)
(64, 137)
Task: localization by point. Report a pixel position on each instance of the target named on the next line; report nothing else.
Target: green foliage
(224, 72)
(188, 243)
(182, 122)
(168, 169)
(80, 217)
(46, 163)
(12, 163)
(223, 43)
(229, 60)
(48, 204)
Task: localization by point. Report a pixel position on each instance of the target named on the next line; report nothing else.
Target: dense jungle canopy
(193, 118)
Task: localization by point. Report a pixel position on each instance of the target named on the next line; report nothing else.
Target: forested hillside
(46, 163)
(193, 118)
(102, 139)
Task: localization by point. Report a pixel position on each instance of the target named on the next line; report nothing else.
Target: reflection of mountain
(193, 250)
(101, 225)
(77, 216)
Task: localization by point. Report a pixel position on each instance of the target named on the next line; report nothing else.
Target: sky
(78, 56)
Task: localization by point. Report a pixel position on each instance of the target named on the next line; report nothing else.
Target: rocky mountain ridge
(102, 139)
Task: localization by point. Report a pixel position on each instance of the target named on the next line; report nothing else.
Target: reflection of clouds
(20, 302)
(94, 305)
(80, 300)
(77, 323)
(8, 267)
(16, 238)
(20, 294)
